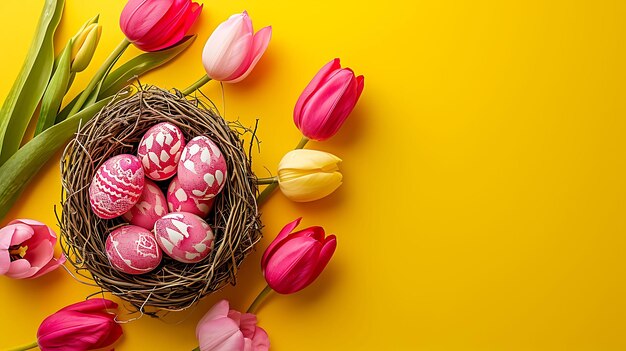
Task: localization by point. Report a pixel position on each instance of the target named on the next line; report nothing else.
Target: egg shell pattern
(202, 168)
(184, 236)
(179, 200)
(116, 186)
(150, 207)
(160, 149)
(133, 250)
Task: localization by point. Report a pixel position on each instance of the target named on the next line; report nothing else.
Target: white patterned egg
(179, 200)
(184, 236)
(116, 186)
(202, 168)
(150, 207)
(160, 149)
(133, 250)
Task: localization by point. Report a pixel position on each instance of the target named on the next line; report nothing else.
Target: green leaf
(26, 162)
(27, 90)
(57, 87)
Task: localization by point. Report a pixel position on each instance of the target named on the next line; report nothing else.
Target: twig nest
(233, 219)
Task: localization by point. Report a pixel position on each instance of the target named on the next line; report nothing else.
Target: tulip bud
(84, 45)
(327, 101)
(295, 260)
(308, 175)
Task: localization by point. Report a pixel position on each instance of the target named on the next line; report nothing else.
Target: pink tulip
(295, 260)
(234, 49)
(327, 101)
(87, 325)
(153, 25)
(27, 249)
(222, 329)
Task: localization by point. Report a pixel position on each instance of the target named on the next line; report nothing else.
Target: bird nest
(117, 129)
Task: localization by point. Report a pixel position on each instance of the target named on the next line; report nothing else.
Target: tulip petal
(316, 233)
(39, 254)
(21, 233)
(50, 266)
(227, 48)
(169, 34)
(247, 324)
(311, 187)
(319, 78)
(287, 229)
(289, 268)
(330, 245)
(304, 161)
(91, 305)
(260, 340)
(20, 269)
(139, 16)
(261, 41)
(219, 310)
(76, 331)
(221, 334)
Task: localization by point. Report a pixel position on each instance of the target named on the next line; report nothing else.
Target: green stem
(302, 143)
(262, 295)
(266, 181)
(197, 85)
(196, 349)
(26, 347)
(108, 63)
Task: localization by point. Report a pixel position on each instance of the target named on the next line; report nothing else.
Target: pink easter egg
(150, 207)
(116, 186)
(202, 168)
(179, 200)
(184, 236)
(160, 149)
(133, 250)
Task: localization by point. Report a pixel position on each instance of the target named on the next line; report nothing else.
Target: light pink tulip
(295, 260)
(234, 49)
(27, 249)
(153, 25)
(222, 329)
(87, 325)
(327, 101)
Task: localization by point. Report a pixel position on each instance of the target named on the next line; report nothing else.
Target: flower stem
(25, 347)
(302, 143)
(102, 71)
(266, 181)
(262, 295)
(197, 85)
(196, 349)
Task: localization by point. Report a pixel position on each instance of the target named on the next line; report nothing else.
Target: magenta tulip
(234, 49)
(222, 329)
(327, 101)
(87, 325)
(153, 25)
(295, 260)
(27, 249)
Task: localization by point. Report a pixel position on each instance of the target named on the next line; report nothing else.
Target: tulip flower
(155, 25)
(87, 325)
(327, 101)
(27, 249)
(295, 260)
(224, 329)
(308, 175)
(84, 45)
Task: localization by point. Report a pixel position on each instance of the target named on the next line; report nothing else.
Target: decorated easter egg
(179, 200)
(160, 149)
(150, 207)
(133, 250)
(117, 186)
(184, 236)
(202, 168)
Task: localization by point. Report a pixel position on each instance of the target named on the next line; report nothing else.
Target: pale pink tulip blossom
(234, 49)
(27, 249)
(222, 329)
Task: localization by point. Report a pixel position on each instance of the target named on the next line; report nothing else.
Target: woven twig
(117, 129)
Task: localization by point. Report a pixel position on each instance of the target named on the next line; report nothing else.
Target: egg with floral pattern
(116, 186)
(202, 168)
(150, 207)
(184, 237)
(133, 250)
(160, 149)
(179, 200)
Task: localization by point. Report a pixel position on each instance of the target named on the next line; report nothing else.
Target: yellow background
(485, 192)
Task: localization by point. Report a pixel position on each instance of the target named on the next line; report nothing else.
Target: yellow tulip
(85, 44)
(308, 175)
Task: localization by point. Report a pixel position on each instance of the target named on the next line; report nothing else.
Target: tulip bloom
(308, 175)
(327, 101)
(234, 49)
(295, 260)
(84, 45)
(154, 25)
(27, 249)
(87, 325)
(222, 329)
